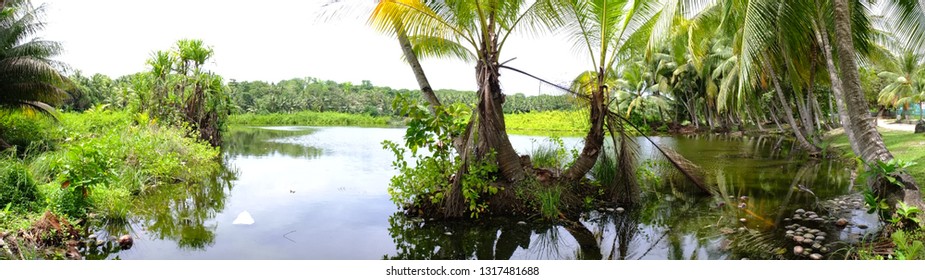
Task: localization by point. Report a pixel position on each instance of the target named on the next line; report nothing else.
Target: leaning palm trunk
(594, 141)
(869, 142)
(788, 112)
(412, 59)
(822, 37)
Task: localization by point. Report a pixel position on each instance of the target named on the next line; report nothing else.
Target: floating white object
(244, 219)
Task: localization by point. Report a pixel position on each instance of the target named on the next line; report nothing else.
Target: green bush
(27, 132)
(17, 187)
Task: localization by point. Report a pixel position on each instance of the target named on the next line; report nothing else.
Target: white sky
(272, 40)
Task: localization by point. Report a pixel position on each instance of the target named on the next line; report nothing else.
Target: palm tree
(28, 76)
(602, 28)
(472, 31)
(905, 76)
(868, 141)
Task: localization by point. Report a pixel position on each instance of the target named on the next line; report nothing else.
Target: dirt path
(891, 125)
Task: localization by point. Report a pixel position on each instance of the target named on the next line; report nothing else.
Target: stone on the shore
(126, 241)
(798, 239)
(743, 220)
(448, 233)
(841, 222)
(797, 250)
(609, 209)
(620, 209)
(862, 226)
(800, 211)
(522, 223)
(815, 256)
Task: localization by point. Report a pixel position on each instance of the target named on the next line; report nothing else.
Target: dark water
(321, 193)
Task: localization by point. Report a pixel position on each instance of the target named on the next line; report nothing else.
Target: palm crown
(28, 76)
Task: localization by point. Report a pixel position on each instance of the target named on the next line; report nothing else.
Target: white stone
(243, 219)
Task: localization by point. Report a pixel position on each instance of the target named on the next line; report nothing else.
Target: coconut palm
(905, 82)
(474, 31)
(28, 77)
(601, 29)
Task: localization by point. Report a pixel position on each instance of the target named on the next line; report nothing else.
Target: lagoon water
(321, 193)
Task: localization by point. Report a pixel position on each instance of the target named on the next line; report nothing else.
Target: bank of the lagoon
(77, 171)
(545, 123)
(321, 193)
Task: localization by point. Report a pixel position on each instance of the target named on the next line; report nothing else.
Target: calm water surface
(321, 193)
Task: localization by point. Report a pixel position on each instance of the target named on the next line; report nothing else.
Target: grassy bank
(93, 162)
(308, 118)
(903, 144)
(548, 123)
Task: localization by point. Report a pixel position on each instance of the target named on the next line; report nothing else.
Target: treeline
(300, 94)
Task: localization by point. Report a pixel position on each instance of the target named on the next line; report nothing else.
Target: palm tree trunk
(870, 142)
(594, 141)
(492, 135)
(805, 117)
(412, 60)
(788, 112)
(822, 37)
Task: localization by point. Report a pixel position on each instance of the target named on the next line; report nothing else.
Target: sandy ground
(890, 124)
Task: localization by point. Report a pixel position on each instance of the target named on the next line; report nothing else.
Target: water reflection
(262, 142)
(321, 193)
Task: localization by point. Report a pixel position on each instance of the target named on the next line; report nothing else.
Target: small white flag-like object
(244, 219)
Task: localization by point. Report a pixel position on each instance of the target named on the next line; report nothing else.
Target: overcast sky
(272, 40)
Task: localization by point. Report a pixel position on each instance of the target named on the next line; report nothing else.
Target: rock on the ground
(521, 223)
(620, 209)
(815, 256)
(126, 241)
(797, 250)
(841, 222)
(920, 127)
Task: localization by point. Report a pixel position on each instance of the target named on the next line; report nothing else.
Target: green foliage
(431, 171)
(874, 203)
(888, 170)
(549, 199)
(477, 184)
(566, 123)
(310, 119)
(907, 217)
(26, 132)
(908, 246)
(17, 186)
(29, 78)
(552, 155)
(104, 157)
